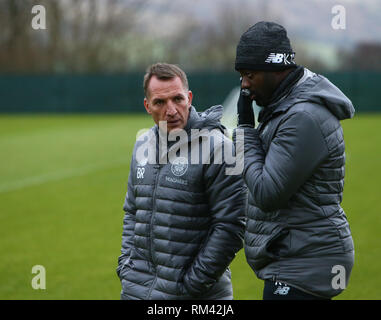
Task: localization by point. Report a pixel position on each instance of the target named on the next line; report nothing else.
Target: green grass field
(62, 186)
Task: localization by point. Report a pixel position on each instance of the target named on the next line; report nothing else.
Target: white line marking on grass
(58, 175)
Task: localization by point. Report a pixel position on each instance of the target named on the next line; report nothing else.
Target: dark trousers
(275, 290)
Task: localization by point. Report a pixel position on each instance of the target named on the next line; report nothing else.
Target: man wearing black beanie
(297, 235)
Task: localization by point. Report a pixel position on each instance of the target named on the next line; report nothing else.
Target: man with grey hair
(184, 222)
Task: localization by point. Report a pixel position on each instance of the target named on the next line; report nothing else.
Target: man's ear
(190, 97)
(146, 105)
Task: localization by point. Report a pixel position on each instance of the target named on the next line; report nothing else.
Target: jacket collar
(287, 93)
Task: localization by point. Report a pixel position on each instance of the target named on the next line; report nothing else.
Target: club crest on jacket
(179, 166)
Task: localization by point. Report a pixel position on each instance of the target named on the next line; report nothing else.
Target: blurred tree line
(92, 36)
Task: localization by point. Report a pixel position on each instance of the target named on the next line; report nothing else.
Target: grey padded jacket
(183, 224)
(296, 230)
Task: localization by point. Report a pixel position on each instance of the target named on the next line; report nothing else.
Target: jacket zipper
(151, 231)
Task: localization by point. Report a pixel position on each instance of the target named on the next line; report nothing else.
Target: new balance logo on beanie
(264, 46)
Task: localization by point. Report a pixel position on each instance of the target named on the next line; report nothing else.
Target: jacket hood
(318, 89)
(209, 119)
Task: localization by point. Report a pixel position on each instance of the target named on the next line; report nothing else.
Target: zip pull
(152, 267)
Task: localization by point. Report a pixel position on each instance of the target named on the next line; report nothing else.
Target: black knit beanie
(265, 46)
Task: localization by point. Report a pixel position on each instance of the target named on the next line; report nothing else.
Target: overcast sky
(306, 19)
